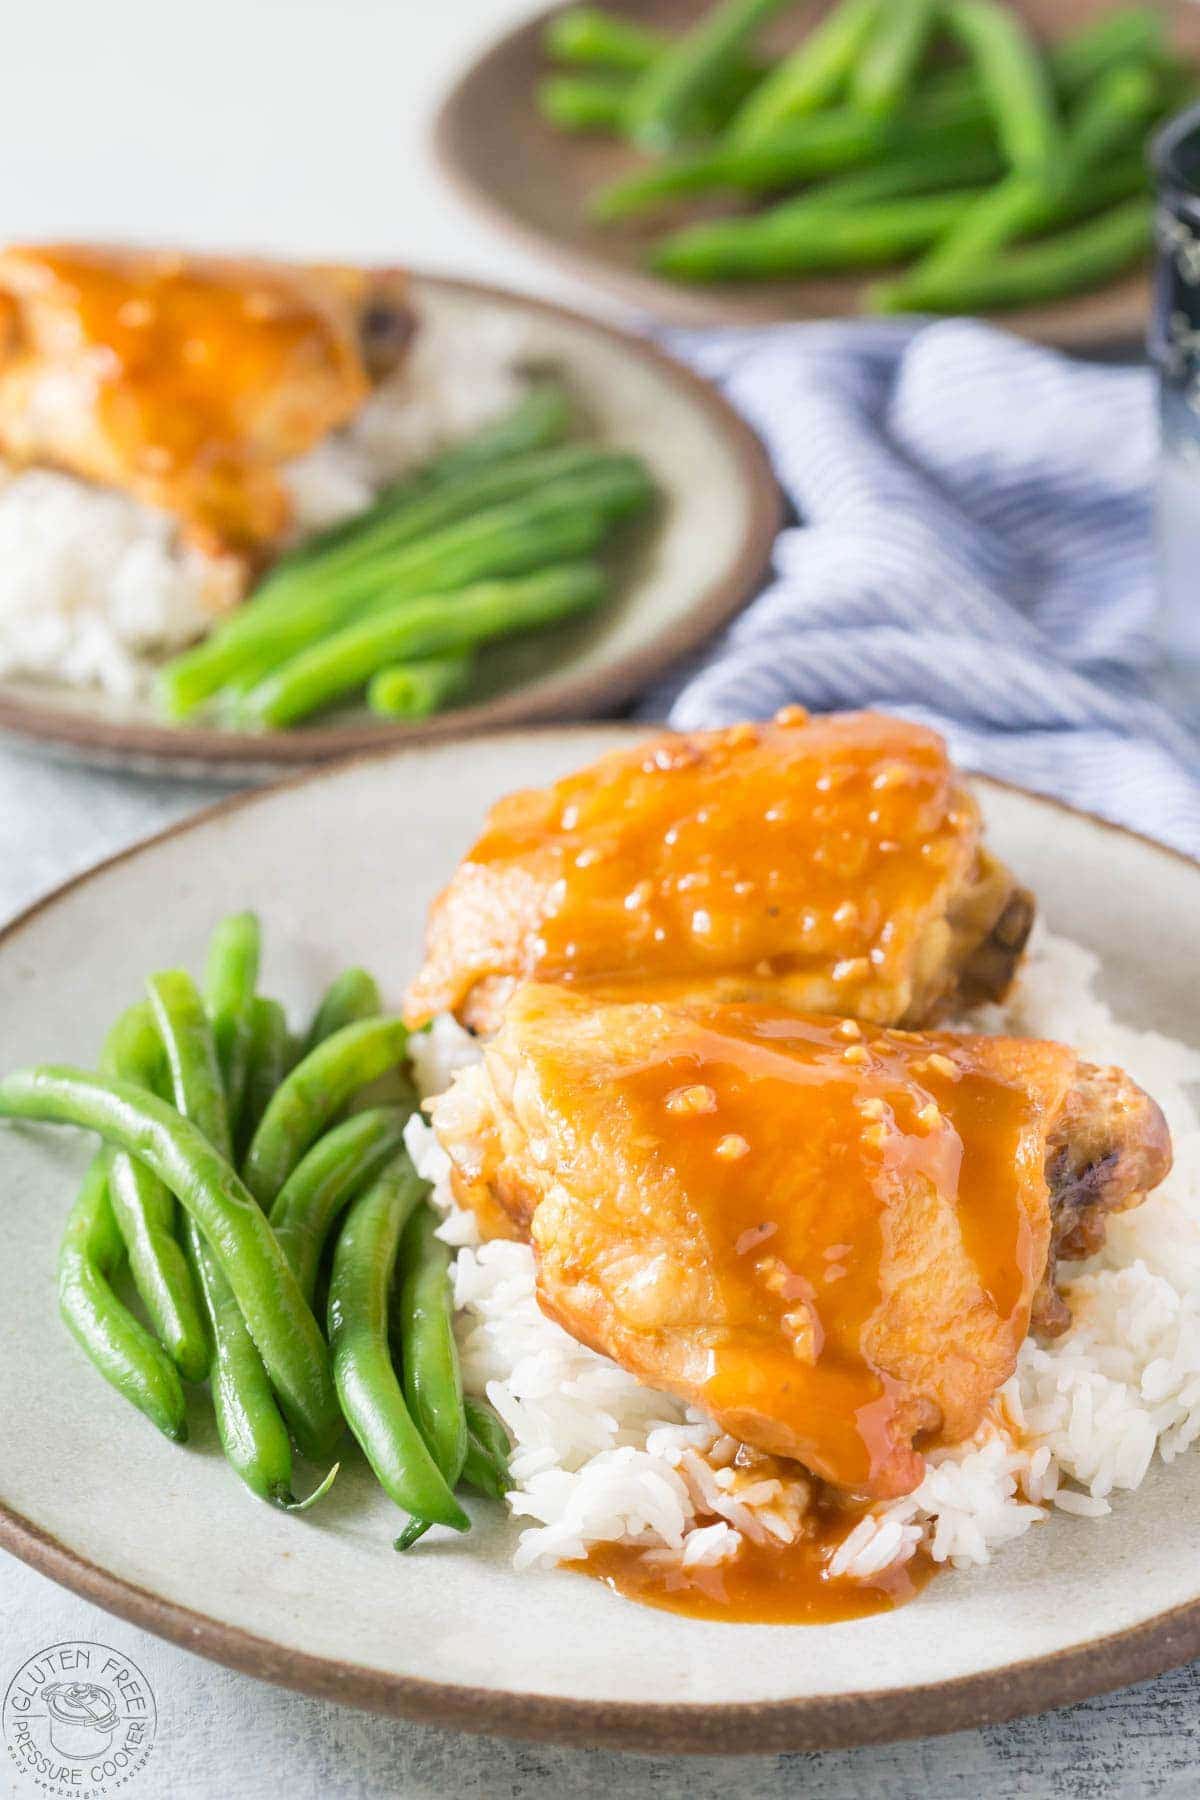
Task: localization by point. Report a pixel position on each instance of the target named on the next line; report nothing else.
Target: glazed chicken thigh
(188, 381)
(834, 864)
(831, 1237)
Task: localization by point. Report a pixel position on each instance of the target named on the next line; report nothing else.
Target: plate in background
(535, 182)
(682, 575)
(342, 865)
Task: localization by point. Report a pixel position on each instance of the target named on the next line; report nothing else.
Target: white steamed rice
(599, 1458)
(94, 585)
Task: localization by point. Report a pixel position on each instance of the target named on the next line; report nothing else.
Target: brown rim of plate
(813, 1722)
(557, 697)
(1111, 316)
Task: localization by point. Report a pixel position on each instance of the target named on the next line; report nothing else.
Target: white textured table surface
(299, 125)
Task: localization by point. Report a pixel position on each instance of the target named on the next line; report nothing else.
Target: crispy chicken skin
(187, 381)
(830, 1237)
(832, 863)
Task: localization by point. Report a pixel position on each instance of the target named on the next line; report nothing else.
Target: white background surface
(295, 125)
(302, 126)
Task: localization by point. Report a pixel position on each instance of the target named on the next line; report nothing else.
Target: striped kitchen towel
(974, 549)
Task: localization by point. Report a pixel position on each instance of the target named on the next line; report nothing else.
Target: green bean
(571, 532)
(583, 102)
(268, 1060)
(486, 1427)
(863, 237)
(252, 1432)
(541, 417)
(313, 1093)
(568, 518)
(589, 36)
(230, 977)
(815, 73)
(1130, 34)
(363, 1266)
(429, 1355)
(597, 102)
(414, 690)
(122, 1350)
(824, 144)
(365, 557)
(191, 1051)
(351, 996)
(867, 235)
(249, 1424)
(888, 66)
(666, 92)
(725, 246)
(1118, 104)
(145, 1210)
(342, 662)
(327, 1179)
(486, 1465)
(480, 1473)
(1015, 81)
(288, 1337)
(1084, 257)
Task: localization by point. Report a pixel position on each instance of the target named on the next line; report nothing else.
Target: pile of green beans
(237, 1162)
(486, 541)
(937, 129)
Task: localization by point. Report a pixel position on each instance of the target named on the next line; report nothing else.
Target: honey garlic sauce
(873, 1238)
(765, 1584)
(806, 854)
(188, 377)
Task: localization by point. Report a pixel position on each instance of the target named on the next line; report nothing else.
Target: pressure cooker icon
(83, 1718)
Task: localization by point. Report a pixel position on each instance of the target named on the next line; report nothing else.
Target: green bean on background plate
(358, 557)
(123, 1351)
(326, 1179)
(280, 1322)
(1107, 120)
(312, 1094)
(1014, 80)
(567, 518)
(344, 661)
(870, 235)
(718, 247)
(415, 690)
(816, 72)
(541, 417)
(583, 102)
(370, 1393)
(594, 38)
(887, 68)
(669, 87)
(145, 1210)
(1085, 256)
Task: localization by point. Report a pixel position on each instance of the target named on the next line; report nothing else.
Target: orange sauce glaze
(813, 848)
(865, 1212)
(186, 363)
(764, 1584)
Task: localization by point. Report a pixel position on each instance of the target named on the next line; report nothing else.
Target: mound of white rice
(598, 1458)
(94, 585)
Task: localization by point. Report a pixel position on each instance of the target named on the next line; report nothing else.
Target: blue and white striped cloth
(975, 550)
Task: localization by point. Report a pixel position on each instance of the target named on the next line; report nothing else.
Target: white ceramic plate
(341, 866)
(679, 578)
